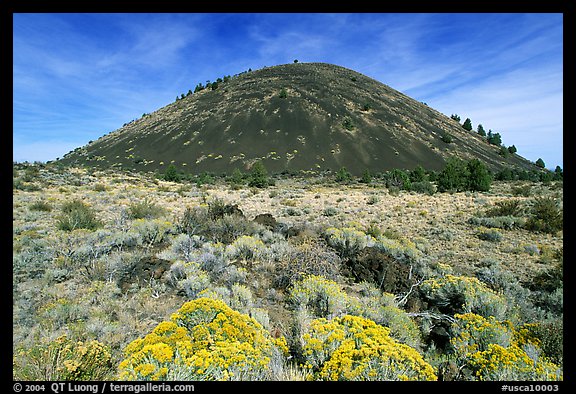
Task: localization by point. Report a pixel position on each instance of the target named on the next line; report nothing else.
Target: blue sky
(79, 76)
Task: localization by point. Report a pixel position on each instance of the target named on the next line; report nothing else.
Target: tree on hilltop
(467, 124)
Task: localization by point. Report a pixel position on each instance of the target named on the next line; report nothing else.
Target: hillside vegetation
(122, 275)
(126, 276)
(294, 117)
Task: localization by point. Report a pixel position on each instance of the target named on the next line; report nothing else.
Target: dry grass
(438, 224)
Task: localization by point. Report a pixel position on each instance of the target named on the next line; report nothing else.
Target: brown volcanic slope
(247, 119)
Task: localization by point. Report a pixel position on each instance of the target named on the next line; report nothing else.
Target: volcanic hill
(300, 116)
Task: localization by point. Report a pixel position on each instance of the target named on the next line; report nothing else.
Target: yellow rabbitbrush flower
(205, 340)
(474, 332)
(355, 348)
(495, 350)
(511, 363)
(68, 360)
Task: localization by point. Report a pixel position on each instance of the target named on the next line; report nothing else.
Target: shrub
(382, 309)
(505, 208)
(355, 348)
(550, 337)
(397, 179)
(511, 363)
(292, 212)
(495, 350)
(311, 257)
(446, 138)
(64, 359)
(472, 333)
(204, 340)
(424, 187)
(188, 278)
(330, 211)
(216, 221)
(373, 200)
(194, 220)
(348, 123)
(498, 279)
(77, 215)
(41, 205)
(546, 216)
(347, 241)
(401, 249)
(549, 280)
(246, 249)
(229, 228)
(503, 222)
(319, 296)
(461, 294)
(217, 209)
(144, 210)
(151, 232)
(489, 234)
(523, 190)
(184, 246)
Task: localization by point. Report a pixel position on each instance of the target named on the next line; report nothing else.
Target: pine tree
(259, 176)
(418, 174)
(366, 177)
(479, 179)
(558, 173)
(481, 131)
(237, 177)
(171, 174)
(494, 138)
(467, 124)
(454, 176)
(540, 163)
(343, 176)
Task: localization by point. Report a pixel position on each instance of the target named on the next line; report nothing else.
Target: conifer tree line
(212, 85)
(493, 138)
(457, 175)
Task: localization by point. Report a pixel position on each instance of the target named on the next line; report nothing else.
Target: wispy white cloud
(69, 86)
(83, 75)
